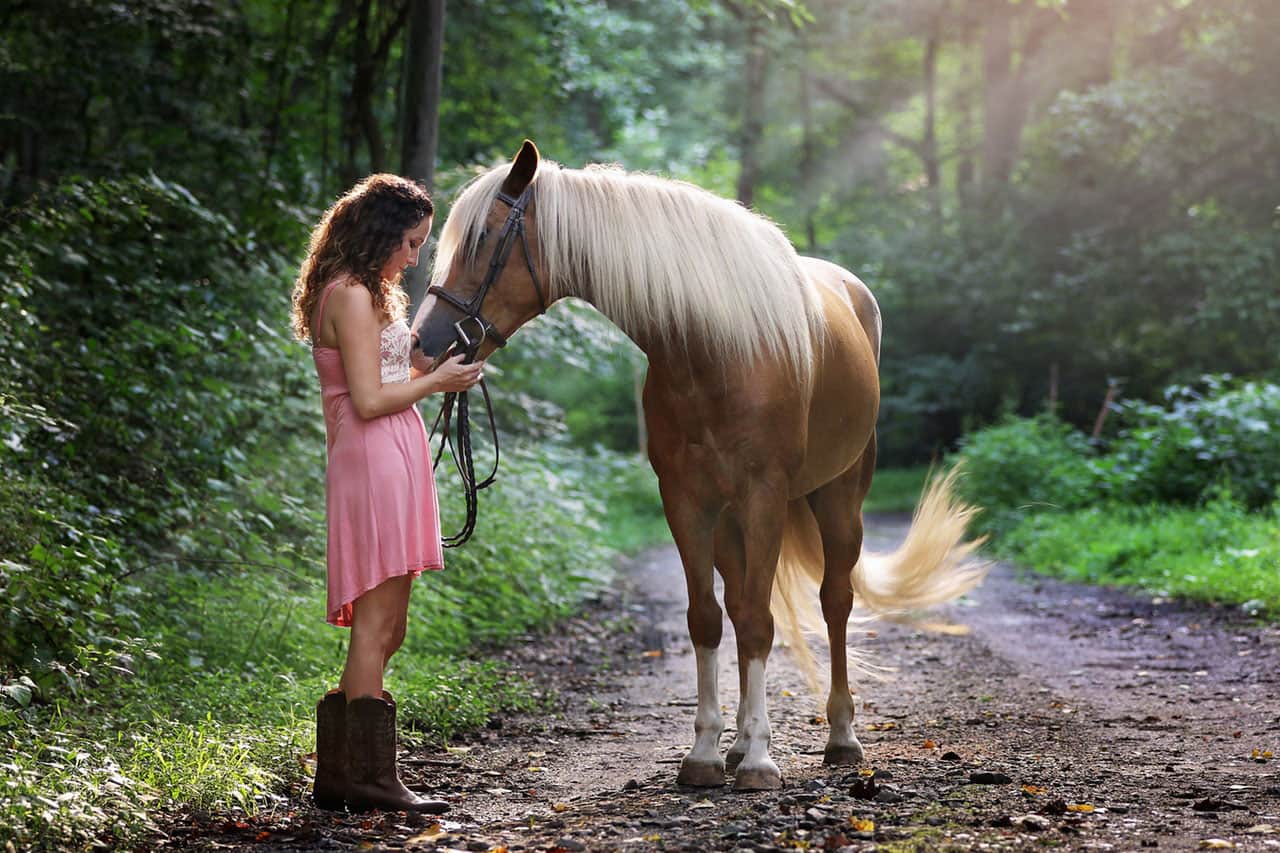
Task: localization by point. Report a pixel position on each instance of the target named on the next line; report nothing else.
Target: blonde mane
(662, 259)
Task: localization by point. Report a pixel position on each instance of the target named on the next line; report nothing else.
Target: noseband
(511, 229)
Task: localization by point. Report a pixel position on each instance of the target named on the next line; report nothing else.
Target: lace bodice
(396, 343)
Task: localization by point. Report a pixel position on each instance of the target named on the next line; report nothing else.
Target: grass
(213, 707)
(896, 489)
(1217, 553)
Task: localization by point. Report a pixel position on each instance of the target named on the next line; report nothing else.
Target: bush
(1024, 464)
(139, 375)
(1207, 435)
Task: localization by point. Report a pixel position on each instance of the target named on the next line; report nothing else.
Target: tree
(424, 61)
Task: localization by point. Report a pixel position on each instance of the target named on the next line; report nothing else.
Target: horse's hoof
(733, 759)
(701, 774)
(757, 779)
(843, 755)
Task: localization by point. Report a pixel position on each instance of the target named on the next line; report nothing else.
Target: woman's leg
(377, 621)
(397, 636)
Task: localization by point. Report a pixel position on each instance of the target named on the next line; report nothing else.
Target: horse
(760, 403)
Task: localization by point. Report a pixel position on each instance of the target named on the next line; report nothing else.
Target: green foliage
(1022, 466)
(1209, 434)
(1215, 553)
(132, 302)
(1183, 502)
(162, 552)
(896, 489)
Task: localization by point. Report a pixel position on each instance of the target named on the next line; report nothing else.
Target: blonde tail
(795, 587)
(933, 565)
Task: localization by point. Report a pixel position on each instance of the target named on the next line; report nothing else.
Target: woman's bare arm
(359, 332)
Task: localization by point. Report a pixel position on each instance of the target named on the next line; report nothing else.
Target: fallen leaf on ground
(929, 744)
(862, 824)
(881, 727)
(1083, 808)
(560, 807)
(1033, 789)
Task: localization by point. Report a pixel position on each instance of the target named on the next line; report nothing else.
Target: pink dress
(384, 521)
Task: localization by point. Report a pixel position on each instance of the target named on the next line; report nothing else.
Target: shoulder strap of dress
(324, 297)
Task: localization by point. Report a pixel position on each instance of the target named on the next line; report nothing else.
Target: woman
(383, 520)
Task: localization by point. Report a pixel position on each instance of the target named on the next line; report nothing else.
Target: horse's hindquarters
(845, 398)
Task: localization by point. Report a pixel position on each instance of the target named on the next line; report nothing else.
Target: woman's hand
(453, 375)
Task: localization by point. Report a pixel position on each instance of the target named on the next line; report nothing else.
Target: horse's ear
(523, 168)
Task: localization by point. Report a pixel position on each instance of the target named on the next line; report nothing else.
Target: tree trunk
(423, 77)
(424, 67)
(1094, 27)
(753, 112)
(277, 112)
(966, 145)
(808, 185)
(1008, 90)
(929, 149)
(997, 90)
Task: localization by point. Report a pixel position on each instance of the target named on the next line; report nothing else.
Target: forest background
(1063, 206)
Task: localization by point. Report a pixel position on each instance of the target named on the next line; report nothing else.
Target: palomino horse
(760, 403)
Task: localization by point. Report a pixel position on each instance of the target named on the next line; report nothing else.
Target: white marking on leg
(708, 724)
(755, 721)
(840, 715)
(739, 746)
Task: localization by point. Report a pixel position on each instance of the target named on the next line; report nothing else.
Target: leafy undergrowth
(212, 706)
(1217, 553)
(163, 641)
(1181, 500)
(896, 489)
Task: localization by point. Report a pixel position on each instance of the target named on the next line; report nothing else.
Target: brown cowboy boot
(373, 780)
(330, 789)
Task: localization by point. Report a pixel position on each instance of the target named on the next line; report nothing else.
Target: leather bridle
(512, 229)
(462, 456)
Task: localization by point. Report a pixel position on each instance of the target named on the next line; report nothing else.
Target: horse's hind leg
(731, 563)
(748, 549)
(691, 528)
(837, 506)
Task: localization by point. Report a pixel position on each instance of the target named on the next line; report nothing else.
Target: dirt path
(1069, 717)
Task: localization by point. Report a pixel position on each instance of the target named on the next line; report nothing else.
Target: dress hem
(341, 616)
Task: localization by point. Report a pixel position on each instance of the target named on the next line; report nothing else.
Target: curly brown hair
(356, 237)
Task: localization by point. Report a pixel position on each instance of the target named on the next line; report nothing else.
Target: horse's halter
(513, 227)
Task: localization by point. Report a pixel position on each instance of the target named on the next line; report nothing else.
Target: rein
(462, 452)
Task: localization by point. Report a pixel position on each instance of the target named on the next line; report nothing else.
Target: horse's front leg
(691, 527)
(751, 553)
